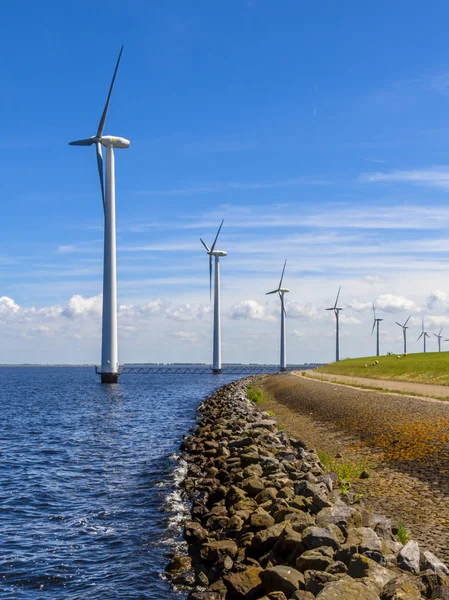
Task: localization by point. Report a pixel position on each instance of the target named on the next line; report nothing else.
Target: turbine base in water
(109, 378)
(216, 371)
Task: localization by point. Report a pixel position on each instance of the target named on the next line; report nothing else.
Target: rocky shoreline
(267, 521)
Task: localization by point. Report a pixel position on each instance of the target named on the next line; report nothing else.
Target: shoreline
(268, 521)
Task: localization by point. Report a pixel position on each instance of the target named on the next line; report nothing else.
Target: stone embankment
(267, 521)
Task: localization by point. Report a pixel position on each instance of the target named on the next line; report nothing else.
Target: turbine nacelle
(105, 140)
(283, 290)
(218, 253)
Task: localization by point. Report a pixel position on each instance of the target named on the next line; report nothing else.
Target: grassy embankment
(431, 367)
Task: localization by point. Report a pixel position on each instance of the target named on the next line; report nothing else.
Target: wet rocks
(267, 523)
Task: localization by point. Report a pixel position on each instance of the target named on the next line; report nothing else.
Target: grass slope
(432, 367)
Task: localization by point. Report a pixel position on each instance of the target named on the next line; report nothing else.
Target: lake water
(88, 497)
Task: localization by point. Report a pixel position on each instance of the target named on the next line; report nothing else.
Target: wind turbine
(336, 310)
(216, 362)
(109, 349)
(376, 321)
(439, 336)
(281, 291)
(424, 334)
(404, 332)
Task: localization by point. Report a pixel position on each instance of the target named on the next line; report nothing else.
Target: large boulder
(362, 567)
(283, 579)
(318, 559)
(215, 549)
(400, 588)
(315, 537)
(409, 558)
(244, 585)
(431, 562)
(347, 588)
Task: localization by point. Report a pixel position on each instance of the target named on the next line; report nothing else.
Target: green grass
(255, 394)
(432, 367)
(346, 471)
(403, 534)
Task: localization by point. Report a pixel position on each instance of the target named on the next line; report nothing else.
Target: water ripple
(89, 497)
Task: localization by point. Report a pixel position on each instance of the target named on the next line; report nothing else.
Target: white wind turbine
(439, 336)
(376, 322)
(281, 291)
(216, 362)
(337, 310)
(109, 348)
(424, 334)
(404, 333)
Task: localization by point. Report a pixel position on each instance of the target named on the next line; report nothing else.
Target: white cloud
(189, 312)
(250, 309)
(373, 279)
(437, 176)
(393, 304)
(79, 306)
(349, 319)
(187, 336)
(298, 310)
(438, 299)
(358, 306)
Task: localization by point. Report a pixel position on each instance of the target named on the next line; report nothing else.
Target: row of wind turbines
(376, 322)
(109, 348)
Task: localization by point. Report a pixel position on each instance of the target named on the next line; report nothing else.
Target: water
(88, 498)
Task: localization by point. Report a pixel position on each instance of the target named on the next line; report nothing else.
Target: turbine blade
(420, 336)
(436, 335)
(273, 292)
(407, 321)
(399, 324)
(210, 276)
(282, 275)
(100, 172)
(440, 331)
(86, 142)
(216, 237)
(374, 311)
(374, 325)
(205, 245)
(336, 300)
(106, 107)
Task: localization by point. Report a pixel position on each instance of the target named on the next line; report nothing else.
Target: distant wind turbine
(404, 332)
(376, 322)
(439, 336)
(281, 291)
(109, 345)
(216, 361)
(337, 310)
(424, 334)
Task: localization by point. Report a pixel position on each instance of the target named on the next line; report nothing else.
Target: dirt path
(418, 389)
(406, 438)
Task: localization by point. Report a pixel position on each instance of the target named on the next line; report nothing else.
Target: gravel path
(418, 389)
(406, 438)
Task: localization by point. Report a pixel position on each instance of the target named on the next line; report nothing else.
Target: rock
(283, 579)
(213, 550)
(431, 562)
(261, 519)
(244, 585)
(400, 588)
(287, 493)
(303, 595)
(265, 495)
(339, 515)
(432, 583)
(240, 443)
(408, 557)
(253, 486)
(363, 567)
(316, 580)
(337, 567)
(348, 589)
(277, 596)
(289, 544)
(316, 493)
(194, 531)
(264, 540)
(318, 559)
(252, 471)
(315, 537)
(359, 541)
(380, 524)
(179, 564)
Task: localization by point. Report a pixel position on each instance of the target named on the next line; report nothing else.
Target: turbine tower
(281, 291)
(216, 362)
(109, 349)
(404, 332)
(424, 334)
(337, 310)
(376, 322)
(439, 336)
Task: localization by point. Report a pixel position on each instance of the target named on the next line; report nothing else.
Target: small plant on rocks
(345, 470)
(403, 532)
(255, 394)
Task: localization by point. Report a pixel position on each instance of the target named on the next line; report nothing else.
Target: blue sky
(318, 131)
